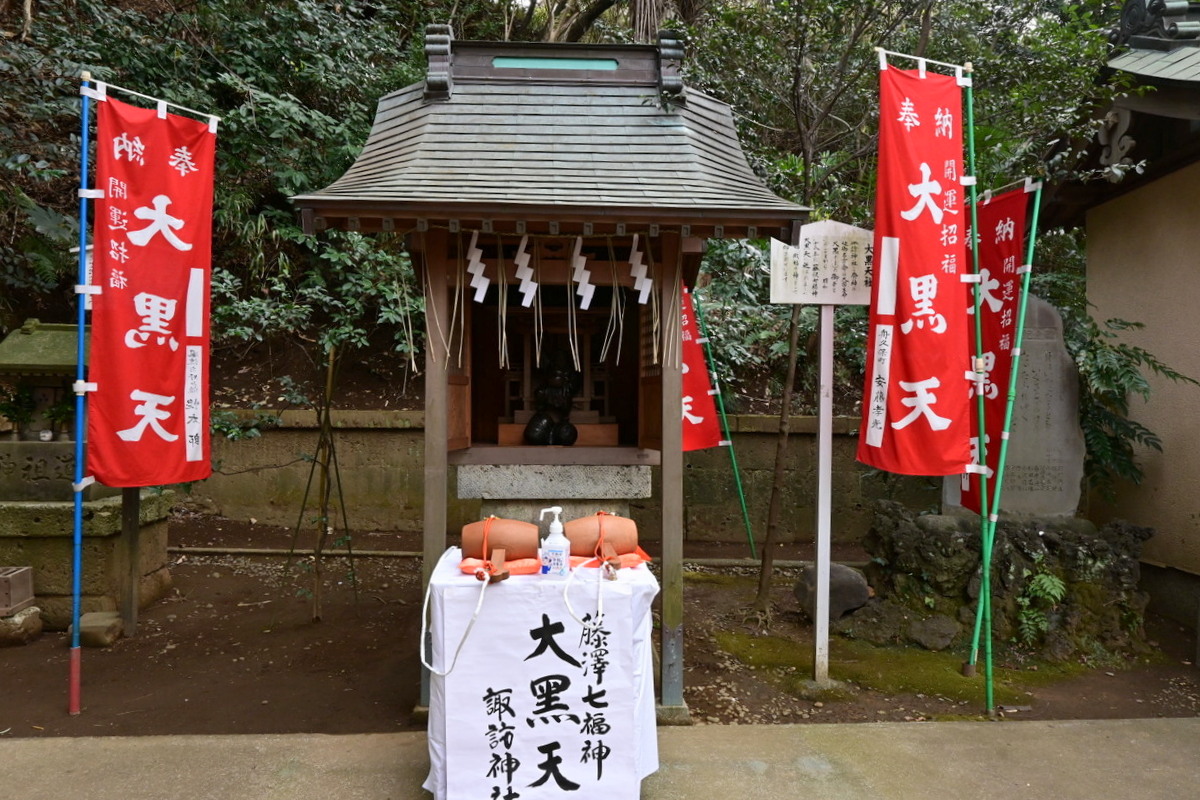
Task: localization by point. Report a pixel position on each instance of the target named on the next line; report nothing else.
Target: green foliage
(62, 413)
(748, 335)
(295, 85)
(234, 426)
(1044, 591)
(17, 405)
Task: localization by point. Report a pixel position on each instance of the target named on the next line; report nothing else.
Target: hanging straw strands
(655, 321)
(572, 323)
(539, 324)
(458, 312)
(673, 330)
(616, 317)
(431, 311)
(451, 332)
(502, 305)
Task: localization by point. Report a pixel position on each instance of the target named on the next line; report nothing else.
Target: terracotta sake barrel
(584, 533)
(519, 539)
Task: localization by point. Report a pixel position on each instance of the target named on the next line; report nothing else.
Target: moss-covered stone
(931, 563)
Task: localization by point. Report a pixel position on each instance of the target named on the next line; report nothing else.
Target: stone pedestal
(41, 535)
(521, 491)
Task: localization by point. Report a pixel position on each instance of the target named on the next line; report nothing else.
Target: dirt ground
(233, 649)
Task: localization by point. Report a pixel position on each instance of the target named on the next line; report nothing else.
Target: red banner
(1001, 250)
(148, 419)
(701, 428)
(915, 411)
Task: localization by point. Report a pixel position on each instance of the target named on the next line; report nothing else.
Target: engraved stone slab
(1044, 471)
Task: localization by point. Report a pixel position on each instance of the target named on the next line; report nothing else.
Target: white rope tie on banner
(83, 387)
(91, 194)
(967, 180)
(83, 484)
(88, 288)
(1021, 270)
(959, 69)
(100, 92)
(1032, 186)
(976, 469)
(970, 277)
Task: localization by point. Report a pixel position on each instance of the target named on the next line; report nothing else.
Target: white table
(537, 703)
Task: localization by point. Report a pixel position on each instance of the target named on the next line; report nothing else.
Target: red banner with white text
(701, 428)
(148, 418)
(1001, 223)
(915, 411)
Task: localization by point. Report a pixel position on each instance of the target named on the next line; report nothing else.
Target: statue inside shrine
(553, 397)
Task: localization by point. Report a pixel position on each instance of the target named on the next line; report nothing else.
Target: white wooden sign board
(830, 266)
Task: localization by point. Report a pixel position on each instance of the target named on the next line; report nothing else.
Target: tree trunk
(762, 601)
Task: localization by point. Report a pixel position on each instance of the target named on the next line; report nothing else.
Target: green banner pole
(1027, 268)
(983, 608)
(737, 475)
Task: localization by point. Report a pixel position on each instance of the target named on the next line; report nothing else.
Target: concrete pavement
(1142, 759)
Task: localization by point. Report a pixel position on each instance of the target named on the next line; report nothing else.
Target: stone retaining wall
(381, 456)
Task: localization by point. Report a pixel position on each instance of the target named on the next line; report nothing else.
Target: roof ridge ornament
(1162, 20)
(670, 61)
(438, 81)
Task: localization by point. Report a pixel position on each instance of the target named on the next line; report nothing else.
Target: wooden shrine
(556, 199)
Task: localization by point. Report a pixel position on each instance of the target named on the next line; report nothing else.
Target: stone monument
(1043, 475)
(37, 361)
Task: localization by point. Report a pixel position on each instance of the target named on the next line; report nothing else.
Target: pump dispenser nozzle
(556, 523)
(556, 548)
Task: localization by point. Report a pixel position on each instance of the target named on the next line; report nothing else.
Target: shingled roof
(1158, 42)
(606, 135)
(1150, 131)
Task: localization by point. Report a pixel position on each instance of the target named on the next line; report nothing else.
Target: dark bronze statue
(551, 424)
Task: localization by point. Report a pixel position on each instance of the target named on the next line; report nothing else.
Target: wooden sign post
(830, 267)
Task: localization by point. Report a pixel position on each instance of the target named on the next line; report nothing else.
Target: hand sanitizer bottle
(556, 548)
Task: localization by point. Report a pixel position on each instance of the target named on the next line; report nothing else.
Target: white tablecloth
(537, 703)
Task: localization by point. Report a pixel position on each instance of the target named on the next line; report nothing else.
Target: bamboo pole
(984, 608)
(1011, 398)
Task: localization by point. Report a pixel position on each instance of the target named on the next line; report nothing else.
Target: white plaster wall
(1143, 261)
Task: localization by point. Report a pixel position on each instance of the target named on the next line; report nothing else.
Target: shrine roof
(1182, 64)
(40, 349)
(1158, 42)
(593, 133)
(1149, 131)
